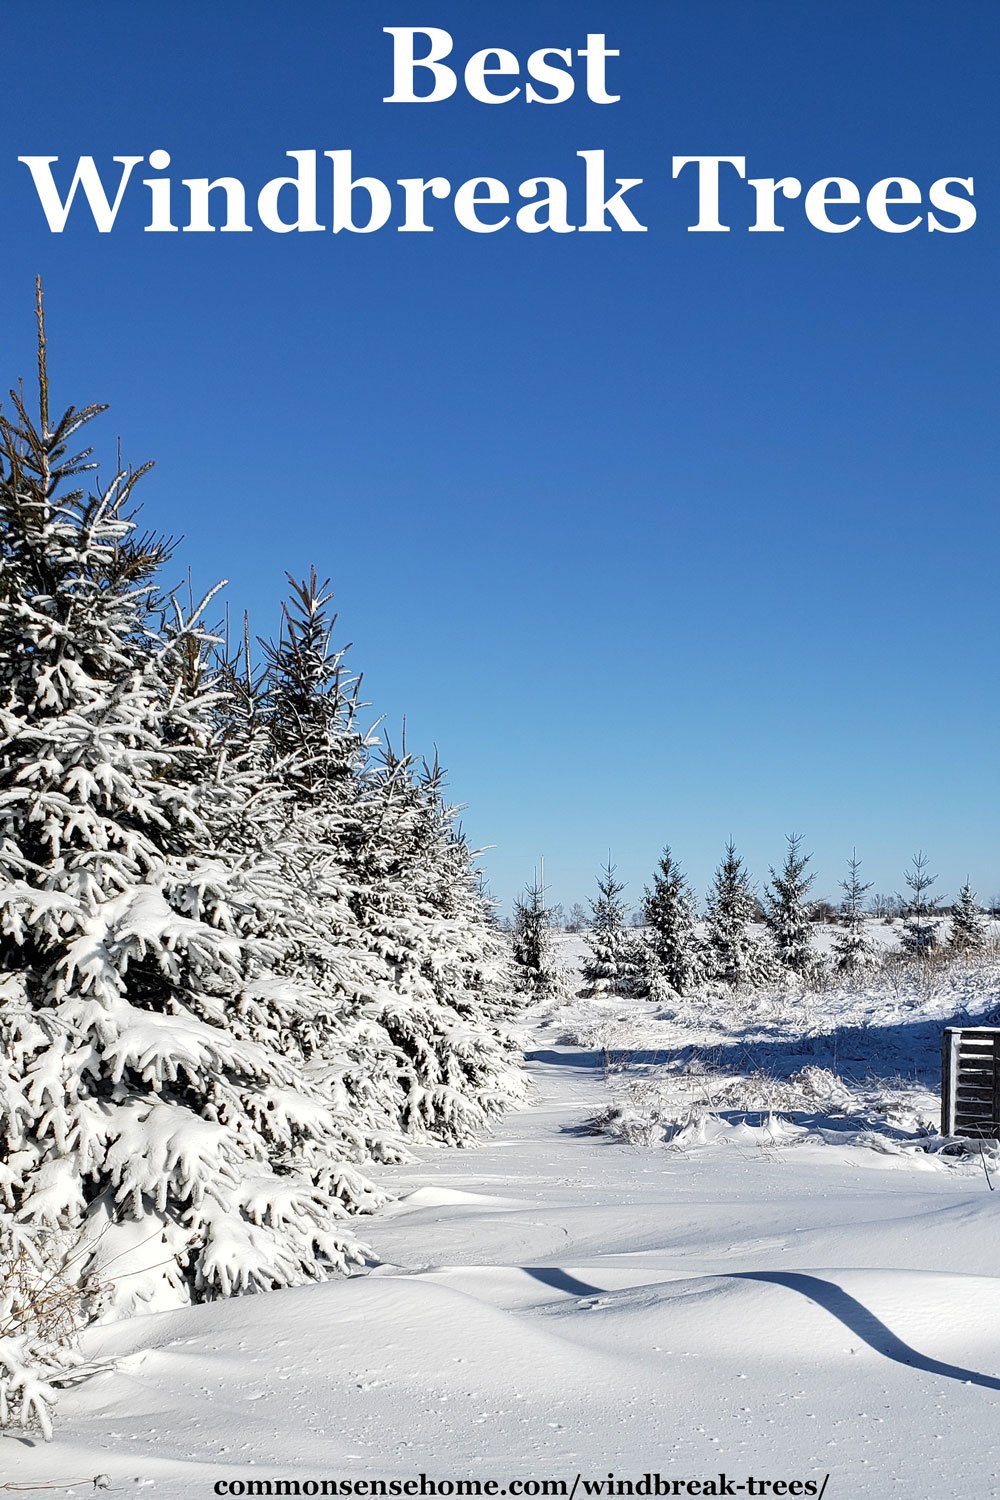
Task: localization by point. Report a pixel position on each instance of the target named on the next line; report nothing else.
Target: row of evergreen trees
(244, 952)
(675, 952)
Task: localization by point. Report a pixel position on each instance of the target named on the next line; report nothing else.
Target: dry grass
(44, 1302)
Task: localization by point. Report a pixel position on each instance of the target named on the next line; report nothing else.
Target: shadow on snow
(865, 1325)
(907, 1051)
(858, 1319)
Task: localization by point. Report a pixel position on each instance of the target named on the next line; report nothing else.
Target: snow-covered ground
(782, 1299)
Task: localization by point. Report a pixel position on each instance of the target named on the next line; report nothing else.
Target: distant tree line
(745, 938)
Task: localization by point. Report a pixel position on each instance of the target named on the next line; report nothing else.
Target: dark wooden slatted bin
(970, 1081)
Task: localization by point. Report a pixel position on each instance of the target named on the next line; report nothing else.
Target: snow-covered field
(788, 1280)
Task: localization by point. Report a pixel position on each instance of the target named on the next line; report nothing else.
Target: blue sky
(660, 538)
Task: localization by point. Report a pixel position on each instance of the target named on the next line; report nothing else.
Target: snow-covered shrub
(638, 1117)
(43, 1304)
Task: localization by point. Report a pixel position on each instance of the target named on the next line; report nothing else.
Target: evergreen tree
(734, 954)
(305, 738)
(920, 915)
(968, 928)
(787, 911)
(241, 954)
(402, 949)
(612, 965)
(853, 949)
(416, 896)
(670, 919)
(146, 1101)
(537, 972)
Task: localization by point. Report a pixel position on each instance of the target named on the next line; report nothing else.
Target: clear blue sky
(659, 537)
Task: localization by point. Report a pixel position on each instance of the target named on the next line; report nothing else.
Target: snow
(764, 1301)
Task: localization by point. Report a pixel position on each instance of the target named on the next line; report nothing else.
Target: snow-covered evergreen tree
(853, 949)
(787, 910)
(418, 901)
(612, 967)
(921, 917)
(408, 970)
(670, 921)
(145, 1098)
(968, 926)
(305, 738)
(734, 954)
(534, 961)
(413, 970)
(239, 955)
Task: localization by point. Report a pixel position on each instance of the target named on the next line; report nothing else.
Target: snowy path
(553, 1303)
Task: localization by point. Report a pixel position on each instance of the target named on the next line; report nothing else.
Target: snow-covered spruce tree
(734, 955)
(296, 932)
(853, 949)
(613, 965)
(787, 911)
(670, 921)
(417, 898)
(921, 917)
(295, 719)
(408, 968)
(968, 927)
(535, 967)
(145, 1101)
